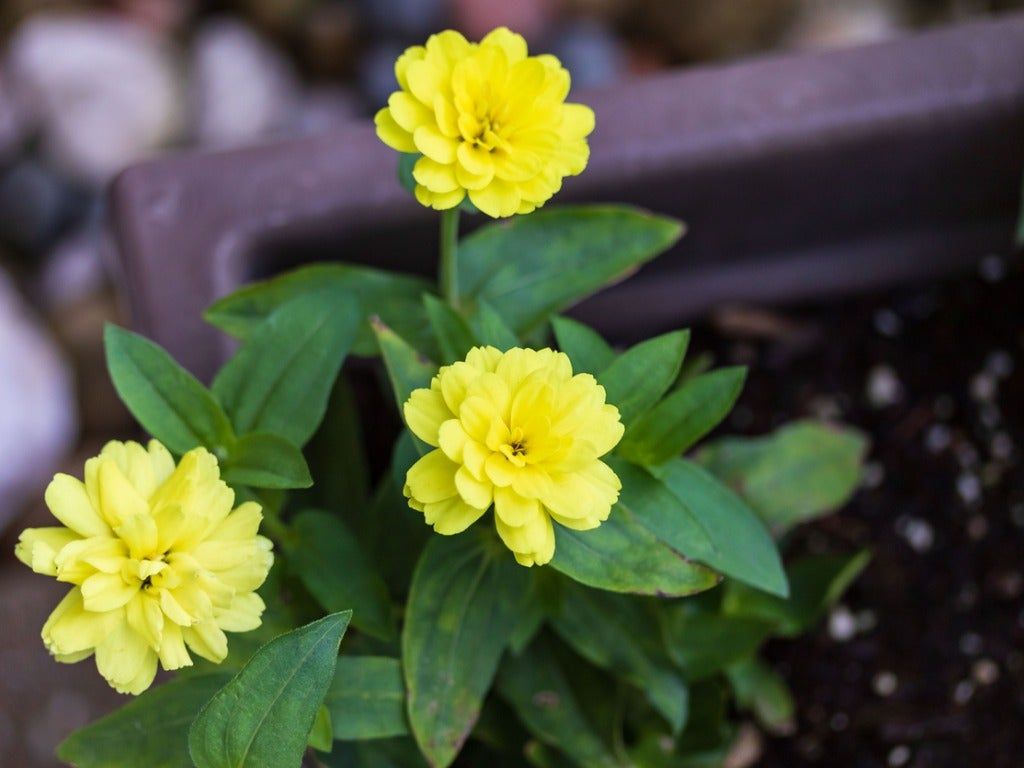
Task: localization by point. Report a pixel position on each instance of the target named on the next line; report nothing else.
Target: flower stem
(449, 256)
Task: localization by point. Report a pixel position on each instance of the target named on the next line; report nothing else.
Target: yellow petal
(577, 121)
(207, 640)
(439, 201)
(69, 502)
(119, 500)
(499, 470)
(446, 115)
(241, 525)
(432, 478)
(391, 133)
(145, 617)
(512, 44)
(474, 492)
(513, 509)
(451, 516)
(107, 591)
(532, 543)
(139, 532)
(436, 177)
(452, 439)
(409, 113)
(125, 659)
(242, 614)
(71, 629)
(172, 652)
(38, 547)
(434, 144)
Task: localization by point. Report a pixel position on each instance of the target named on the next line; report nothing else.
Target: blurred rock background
(87, 88)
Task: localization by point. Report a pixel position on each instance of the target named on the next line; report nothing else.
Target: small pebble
(963, 692)
(991, 416)
(1001, 446)
(842, 625)
(969, 488)
(977, 527)
(937, 438)
(899, 756)
(971, 644)
(984, 386)
(874, 474)
(839, 721)
(918, 533)
(999, 363)
(966, 454)
(985, 672)
(888, 323)
(883, 387)
(992, 268)
(885, 683)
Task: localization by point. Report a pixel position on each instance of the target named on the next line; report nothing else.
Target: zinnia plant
(520, 438)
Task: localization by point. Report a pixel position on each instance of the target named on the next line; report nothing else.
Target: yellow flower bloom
(519, 430)
(158, 558)
(490, 121)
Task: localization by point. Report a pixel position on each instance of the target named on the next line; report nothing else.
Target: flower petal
(68, 501)
(432, 478)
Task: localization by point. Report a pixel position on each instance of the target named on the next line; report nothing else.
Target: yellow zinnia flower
(158, 558)
(519, 430)
(490, 121)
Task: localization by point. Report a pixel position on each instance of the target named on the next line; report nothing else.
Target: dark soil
(922, 664)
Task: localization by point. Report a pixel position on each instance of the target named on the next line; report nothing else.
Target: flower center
(516, 448)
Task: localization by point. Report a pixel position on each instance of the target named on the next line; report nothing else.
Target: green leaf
(703, 644)
(797, 473)
(151, 730)
(537, 688)
(264, 715)
(165, 398)
(334, 568)
(628, 552)
(586, 349)
(407, 368)
(463, 607)
(263, 460)
(816, 583)
(281, 378)
(490, 329)
(322, 734)
(406, 162)
(340, 443)
(400, 752)
(367, 698)
(617, 633)
(675, 424)
(531, 267)
(395, 298)
(761, 690)
(638, 377)
(735, 541)
(453, 334)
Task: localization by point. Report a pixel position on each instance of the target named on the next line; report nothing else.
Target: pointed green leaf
(463, 607)
(281, 378)
(530, 267)
(490, 328)
(454, 337)
(264, 715)
(703, 644)
(340, 443)
(151, 730)
(367, 698)
(761, 690)
(816, 583)
(332, 565)
(263, 460)
(395, 298)
(586, 349)
(165, 398)
(407, 368)
(629, 552)
(797, 473)
(617, 633)
(537, 688)
(638, 377)
(740, 545)
(322, 735)
(675, 424)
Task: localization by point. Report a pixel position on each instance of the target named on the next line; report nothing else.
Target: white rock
(38, 417)
(241, 87)
(103, 92)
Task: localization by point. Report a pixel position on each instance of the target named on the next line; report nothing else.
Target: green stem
(449, 256)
